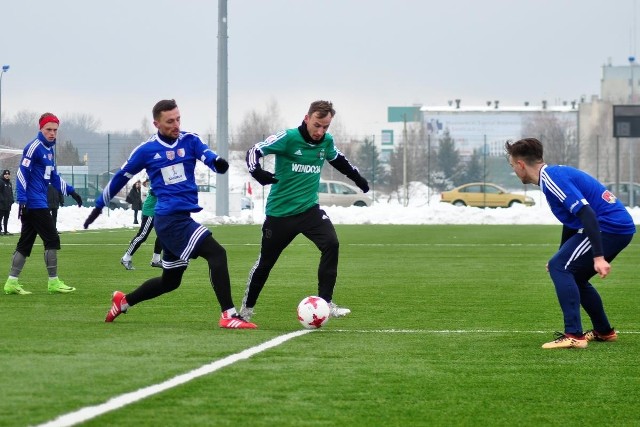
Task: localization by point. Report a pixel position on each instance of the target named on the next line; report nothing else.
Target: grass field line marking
(453, 244)
(457, 245)
(117, 402)
(446, 331)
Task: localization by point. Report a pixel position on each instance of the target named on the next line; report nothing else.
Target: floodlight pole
(222, 180)
(5, 68)
(404, 162)
(632, 62)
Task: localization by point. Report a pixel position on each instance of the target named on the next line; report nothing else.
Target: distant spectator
(135, 199)
(6, 200)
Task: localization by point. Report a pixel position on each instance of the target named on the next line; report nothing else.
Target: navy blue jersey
(568, 189)
(37, 169)
(170, 167)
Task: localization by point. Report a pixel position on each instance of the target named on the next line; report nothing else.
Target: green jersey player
(292, 204)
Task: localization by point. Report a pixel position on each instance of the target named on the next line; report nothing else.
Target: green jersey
(149, 205)
(298, 167)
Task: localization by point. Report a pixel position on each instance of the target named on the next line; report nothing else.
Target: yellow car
(483, 195)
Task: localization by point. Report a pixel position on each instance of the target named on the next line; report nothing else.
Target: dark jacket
(54, 198)
(6, 194)
(135, 198)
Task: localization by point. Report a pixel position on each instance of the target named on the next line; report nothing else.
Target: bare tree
(558, 137)
(256, 127)
(82, 122)
(22, 129)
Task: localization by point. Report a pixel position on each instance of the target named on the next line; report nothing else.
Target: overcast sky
(115, 59)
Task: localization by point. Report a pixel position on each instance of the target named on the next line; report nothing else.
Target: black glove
(264, 177)
(22, 210)
(361, 183)
(95, 213)
(77, 198)
(221, 165)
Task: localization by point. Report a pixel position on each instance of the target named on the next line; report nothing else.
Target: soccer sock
(228, 313)
(17, 264)
(126, 257)
(155, 258)
(51, 261)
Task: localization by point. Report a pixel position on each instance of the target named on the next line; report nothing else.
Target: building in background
(482, 127)
(486, 128)
(481, 131)
(585, 126)
(619, 85)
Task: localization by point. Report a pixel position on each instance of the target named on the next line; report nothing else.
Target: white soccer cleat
(338, 311)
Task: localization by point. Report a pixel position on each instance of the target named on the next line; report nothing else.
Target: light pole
(5, 68)
(632, 63)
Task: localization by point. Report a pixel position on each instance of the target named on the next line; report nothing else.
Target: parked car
(623, 192)
(338, 193)
(91, 192)
(483, 194)
(245, 202)
(118, 202)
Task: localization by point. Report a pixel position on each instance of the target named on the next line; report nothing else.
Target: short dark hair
(323, 108)
(164, 105)
(528, 149)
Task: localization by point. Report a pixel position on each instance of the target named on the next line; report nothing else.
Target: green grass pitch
(446, 328)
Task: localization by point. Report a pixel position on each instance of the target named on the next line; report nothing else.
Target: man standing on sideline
(6, 201)
(169, 158)
(37, 170)
(135, 199)
(596, 228)
(146, 225)
(292, 205)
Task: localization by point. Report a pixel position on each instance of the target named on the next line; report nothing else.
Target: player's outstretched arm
(342, 164)
(95, 213)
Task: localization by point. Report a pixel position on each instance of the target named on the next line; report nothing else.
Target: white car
(245, 202)
(337, 193)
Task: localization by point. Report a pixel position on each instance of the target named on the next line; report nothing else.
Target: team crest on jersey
(171, 155)
(50, 156)
(26, 162)
(180, 152)
(321, 154)
(609, 197)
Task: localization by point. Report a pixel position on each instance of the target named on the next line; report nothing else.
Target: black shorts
(37, 222)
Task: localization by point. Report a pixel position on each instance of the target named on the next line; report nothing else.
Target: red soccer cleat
(594, 335)
(235, 321)
(117, 302)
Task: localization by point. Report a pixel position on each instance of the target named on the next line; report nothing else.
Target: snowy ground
(386, 210)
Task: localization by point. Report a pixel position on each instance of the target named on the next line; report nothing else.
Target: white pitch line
(117, 402)
(447, 331)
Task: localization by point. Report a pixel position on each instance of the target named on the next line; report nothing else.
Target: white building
(479, 126)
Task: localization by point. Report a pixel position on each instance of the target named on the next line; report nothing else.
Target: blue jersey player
(596, 228)
(37, 171)
(169, 158)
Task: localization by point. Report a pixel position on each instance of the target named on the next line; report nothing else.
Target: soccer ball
(313, 312)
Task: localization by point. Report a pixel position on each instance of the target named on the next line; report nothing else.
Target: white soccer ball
(313, 312)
